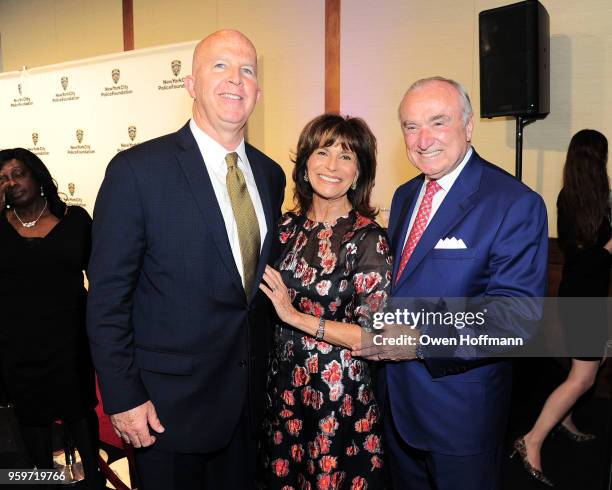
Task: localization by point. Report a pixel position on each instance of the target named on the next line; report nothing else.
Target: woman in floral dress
(323, 424)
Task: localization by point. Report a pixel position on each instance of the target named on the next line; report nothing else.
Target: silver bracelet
(321, 330)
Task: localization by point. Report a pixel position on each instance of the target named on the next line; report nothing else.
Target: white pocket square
(450, 243)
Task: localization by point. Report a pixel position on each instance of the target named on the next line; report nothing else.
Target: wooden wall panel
(128, 25)
(332, 55)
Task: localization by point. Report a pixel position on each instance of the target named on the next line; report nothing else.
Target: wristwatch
(321, 330)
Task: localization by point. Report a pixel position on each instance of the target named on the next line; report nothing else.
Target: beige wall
(172, 21)
(387, 45)
(290, 39)
(43, 32)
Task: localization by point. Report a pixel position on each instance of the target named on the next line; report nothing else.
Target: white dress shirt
(445, 183)
(214, 160)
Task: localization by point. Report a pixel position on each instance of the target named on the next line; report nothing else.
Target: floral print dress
(323, 427)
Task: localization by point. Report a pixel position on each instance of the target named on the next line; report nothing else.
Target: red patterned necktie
(419, 225)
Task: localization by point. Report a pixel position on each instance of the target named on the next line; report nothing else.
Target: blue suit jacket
(168, 317)
(457, 404)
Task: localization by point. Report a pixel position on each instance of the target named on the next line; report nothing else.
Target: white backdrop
(75, 116)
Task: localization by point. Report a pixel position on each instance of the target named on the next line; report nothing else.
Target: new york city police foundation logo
(176, 67)
(36, 149)
(65, 95)
(80, 148)
(176, 81)
(131, 132)
(116, 88)
(22, 100)
(72, 198)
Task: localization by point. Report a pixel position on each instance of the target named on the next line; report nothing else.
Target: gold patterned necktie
(246, 220)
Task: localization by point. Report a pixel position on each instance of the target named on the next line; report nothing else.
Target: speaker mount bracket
(521, 122)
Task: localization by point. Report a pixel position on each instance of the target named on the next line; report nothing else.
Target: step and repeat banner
(76, 116)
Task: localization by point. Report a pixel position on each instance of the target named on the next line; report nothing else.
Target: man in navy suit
(463, 232)
(179, 330)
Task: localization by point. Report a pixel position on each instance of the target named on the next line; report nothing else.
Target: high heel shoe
(574, 436)
(519, 447)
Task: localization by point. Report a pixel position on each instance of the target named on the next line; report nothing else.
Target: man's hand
(392, 343)
(133, 425)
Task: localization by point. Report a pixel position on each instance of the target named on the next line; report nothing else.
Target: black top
(45, 360)
(586, 270)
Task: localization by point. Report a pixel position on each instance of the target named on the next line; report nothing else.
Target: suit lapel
(192, 164)
(264, 195)
(457, 203)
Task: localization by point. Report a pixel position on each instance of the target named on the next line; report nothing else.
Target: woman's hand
(274, 288)
(3, 187)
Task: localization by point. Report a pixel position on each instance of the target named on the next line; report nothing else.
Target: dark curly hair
(40, 174)
(586, 188)
(354, 135)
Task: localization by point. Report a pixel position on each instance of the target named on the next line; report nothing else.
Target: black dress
(586, 274)
(323, 428)
(44, 354)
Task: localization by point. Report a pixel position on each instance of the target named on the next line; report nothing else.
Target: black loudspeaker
(514, 60)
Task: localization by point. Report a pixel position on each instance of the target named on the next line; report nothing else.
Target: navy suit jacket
(454, 402)
(168, 317)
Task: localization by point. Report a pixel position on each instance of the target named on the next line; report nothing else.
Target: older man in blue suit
(183, 230)
(466, 229)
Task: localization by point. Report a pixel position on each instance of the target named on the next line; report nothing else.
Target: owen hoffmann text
(458, 320)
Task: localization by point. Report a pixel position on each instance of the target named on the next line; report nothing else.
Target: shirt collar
(449, 179)
(212, 151)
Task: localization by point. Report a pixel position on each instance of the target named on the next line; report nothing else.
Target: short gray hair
(467, 111)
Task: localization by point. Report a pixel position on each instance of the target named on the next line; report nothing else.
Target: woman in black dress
(44, 354)
(323, 424)
(583, 225)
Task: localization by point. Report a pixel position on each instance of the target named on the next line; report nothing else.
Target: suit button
(242, 363)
